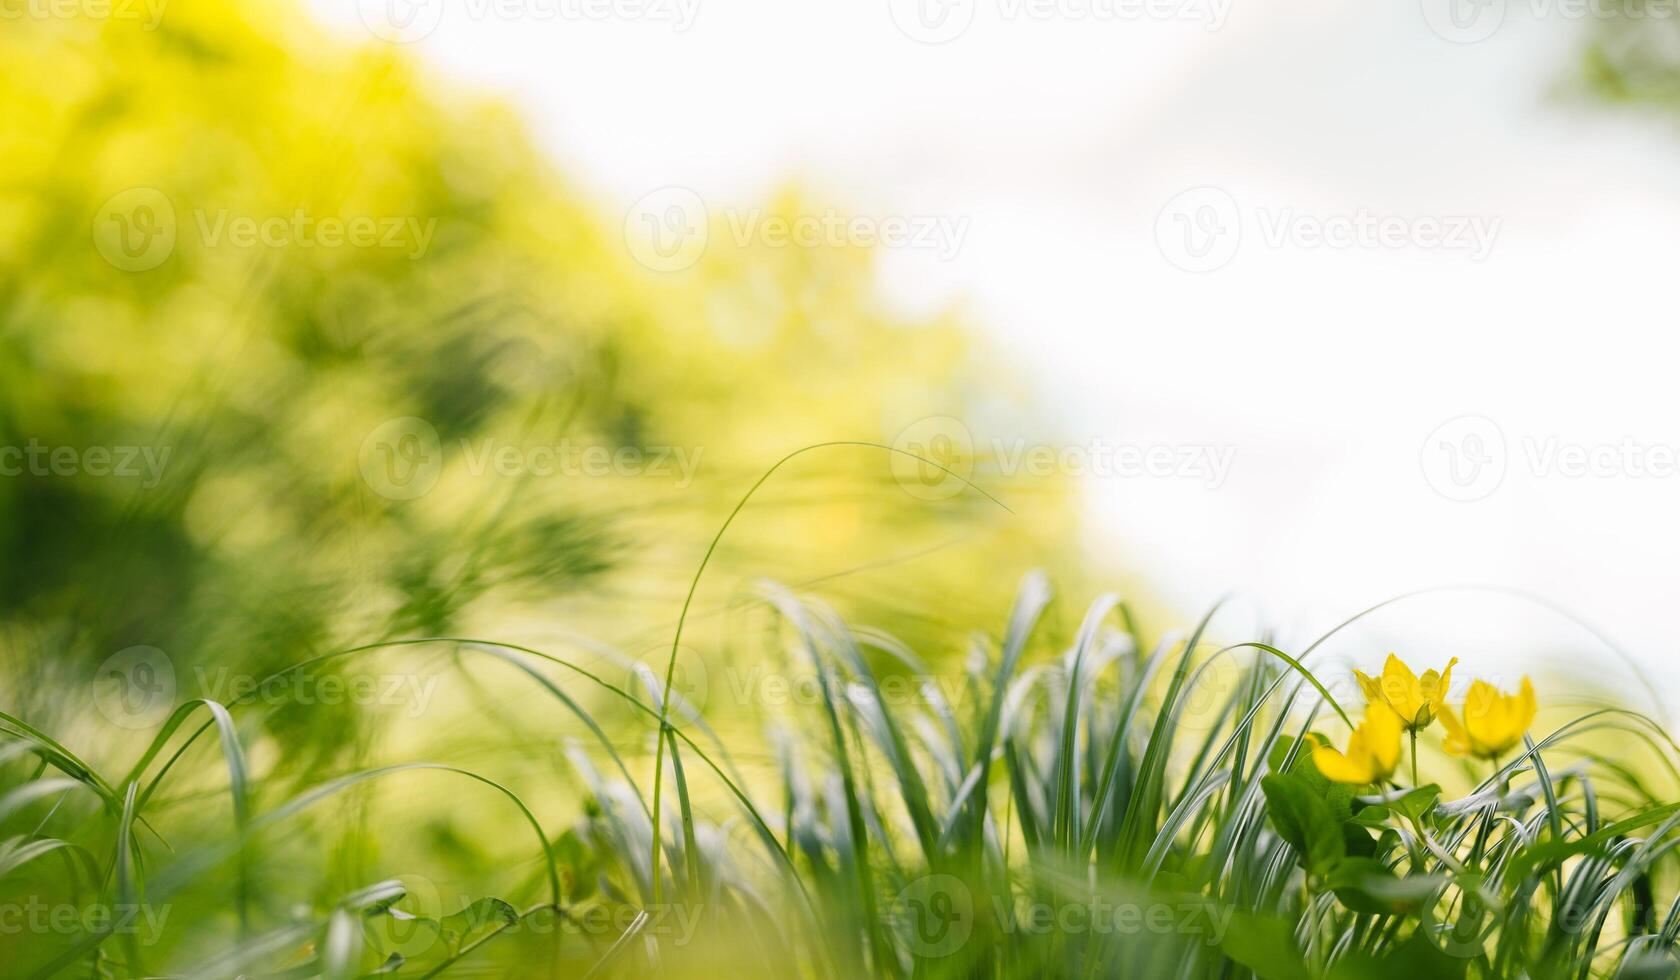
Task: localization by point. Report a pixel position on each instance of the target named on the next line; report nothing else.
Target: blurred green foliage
(510, 315)
(268, 451)
(1632, 55)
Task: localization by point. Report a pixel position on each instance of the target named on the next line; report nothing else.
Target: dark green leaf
(1303, 818)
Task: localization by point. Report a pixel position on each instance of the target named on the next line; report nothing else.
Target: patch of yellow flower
(1493, 722)
(1489, 724)
(1373, 750)
(1415, 699)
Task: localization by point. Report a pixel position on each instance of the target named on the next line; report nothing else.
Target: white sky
(1060, 139)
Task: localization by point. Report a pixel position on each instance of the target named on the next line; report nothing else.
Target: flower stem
(1414, 757)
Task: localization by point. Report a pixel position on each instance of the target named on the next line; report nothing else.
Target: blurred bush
(282, 298)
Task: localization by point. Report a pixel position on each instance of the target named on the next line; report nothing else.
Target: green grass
(1082, 810)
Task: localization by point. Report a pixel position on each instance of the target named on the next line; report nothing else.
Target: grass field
(1102, 804)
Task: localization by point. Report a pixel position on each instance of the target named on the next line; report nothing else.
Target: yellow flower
(1415, 699)
(1373, 749)
(1493, 722)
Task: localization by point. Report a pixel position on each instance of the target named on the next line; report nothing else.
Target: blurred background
(1434, 232)
(337, 323)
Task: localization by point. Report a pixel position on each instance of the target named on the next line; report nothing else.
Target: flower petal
(1458, 740)
(1381, 730)
(1339, 768)
(1369, 686)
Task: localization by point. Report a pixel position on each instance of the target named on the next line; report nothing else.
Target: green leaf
(1412, 960)
(1365, 884)
(1649, 966)
(392, 964)
(1265, 945)
(1280, 750)
(1304, 819)
(485, 916)
(1557, 851)
(417, 937)
(1418, 802)
(1339, 796)
(1357, 841)
(580, 864)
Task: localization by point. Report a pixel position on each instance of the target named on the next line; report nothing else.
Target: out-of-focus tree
(1633, 56)
(278, 439)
